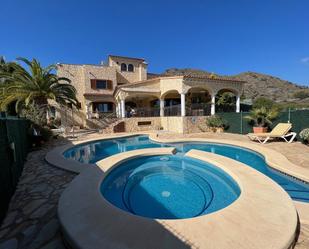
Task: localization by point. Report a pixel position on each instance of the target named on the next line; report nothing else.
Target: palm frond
(37, 84)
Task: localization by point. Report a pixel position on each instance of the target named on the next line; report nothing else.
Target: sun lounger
(281, 130)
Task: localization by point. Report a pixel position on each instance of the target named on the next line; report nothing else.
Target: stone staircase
(110, 128)
(104, 125)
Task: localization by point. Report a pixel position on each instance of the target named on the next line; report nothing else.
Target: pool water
(95, 151)
(169, 187)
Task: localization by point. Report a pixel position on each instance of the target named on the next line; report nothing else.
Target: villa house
(143, 101)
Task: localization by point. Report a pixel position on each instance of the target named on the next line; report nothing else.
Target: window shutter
(109, 84)
(93, 83)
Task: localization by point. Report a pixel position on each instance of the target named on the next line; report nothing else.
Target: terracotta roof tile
(125, 57)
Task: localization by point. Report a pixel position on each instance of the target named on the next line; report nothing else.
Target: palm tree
(5, 67)
(36, 86)
(262, 117)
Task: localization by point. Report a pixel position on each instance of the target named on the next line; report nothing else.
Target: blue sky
(221, 36)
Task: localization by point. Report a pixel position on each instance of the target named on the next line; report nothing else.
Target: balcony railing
(174, 110)
(102, 115)
(143, 112)
(169, 111)
(198, 110)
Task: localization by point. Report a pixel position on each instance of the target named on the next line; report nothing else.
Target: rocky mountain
(259, 85)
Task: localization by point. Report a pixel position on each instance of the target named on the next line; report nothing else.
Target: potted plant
(216, 123)
(304, 136)
(262, 117)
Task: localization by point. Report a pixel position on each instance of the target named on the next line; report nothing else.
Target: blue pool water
(95, 151)
(169, 187)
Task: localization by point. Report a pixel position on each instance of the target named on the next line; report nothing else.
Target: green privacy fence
(238, 124)
(14, 145)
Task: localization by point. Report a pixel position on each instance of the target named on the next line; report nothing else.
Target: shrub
(216, 122)
(263, 102)
(38, 134)
(304, 136)
(46, 133)
(301, 94)
(54, 123)
(34, 113)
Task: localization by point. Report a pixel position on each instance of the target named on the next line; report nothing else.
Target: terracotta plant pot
(217, 129)
(259, 129)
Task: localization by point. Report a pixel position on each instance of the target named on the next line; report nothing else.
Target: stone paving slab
(32, 222)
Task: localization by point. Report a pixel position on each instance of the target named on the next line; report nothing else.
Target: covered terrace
(176, 96)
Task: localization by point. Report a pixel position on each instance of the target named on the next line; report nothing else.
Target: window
(123, 67)
(130, 68)
(101, 84)
(102, 106)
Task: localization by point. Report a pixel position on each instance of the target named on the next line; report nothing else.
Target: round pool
(169, 187)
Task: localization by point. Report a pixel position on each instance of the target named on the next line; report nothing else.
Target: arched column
(121, 104)
(123, 108)
(237, 103)
(213, 104)
(183, 104)
(118, 109)
(161, 107)
(87, 110)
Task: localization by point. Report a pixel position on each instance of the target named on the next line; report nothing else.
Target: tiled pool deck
(32, 220)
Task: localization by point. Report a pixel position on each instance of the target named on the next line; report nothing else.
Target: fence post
(241, 131)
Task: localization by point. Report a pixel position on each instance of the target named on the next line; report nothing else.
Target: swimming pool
(169, 187)
(95, 151)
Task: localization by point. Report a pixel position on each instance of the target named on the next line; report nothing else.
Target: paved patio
(32, 222)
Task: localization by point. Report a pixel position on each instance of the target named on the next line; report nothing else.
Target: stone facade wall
(195, 124)
(80, 76)
(139, 73)
(101, 73)
(172, 124)
(75, 74)
(132, 124)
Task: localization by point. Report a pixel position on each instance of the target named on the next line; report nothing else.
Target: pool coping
(268, 215)
(273, 158)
